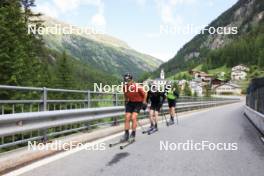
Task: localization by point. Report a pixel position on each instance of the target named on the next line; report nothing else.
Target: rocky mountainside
(246, 15)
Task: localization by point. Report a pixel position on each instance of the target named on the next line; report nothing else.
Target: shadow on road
(118, 157)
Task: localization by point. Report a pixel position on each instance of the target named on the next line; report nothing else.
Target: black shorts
(172, 103)
(133, 107)
(155, 107)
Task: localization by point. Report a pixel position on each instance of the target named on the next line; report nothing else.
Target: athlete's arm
(148, 97)
(125, 95)
(163, 96)
(143, 94)
(145, 98)
(176, 94)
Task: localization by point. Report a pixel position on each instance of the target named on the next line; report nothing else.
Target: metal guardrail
(42, 122)
(254, 108)
(256, 118)
(49, 99)
(255, 95)
(19, 127)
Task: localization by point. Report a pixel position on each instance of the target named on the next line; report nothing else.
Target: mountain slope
(102, 52)
(246, 15)
(83, 76)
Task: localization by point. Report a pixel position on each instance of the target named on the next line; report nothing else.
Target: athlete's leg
(170, 111)
(172, 114)
(151, 114)
(173, 111)
(134, 121)
(134, 124)
(156, 116)
(127, 120)
(127, 126)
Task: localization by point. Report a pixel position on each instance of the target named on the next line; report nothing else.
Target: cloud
(141, 3)
(55, 8)
(164, 56)
(98, 20)
(166, 10)
(210, 3)
(152, 35)
(47, 9)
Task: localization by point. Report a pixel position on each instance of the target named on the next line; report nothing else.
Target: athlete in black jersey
(156, 100)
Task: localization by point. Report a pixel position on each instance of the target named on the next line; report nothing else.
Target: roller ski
(124, 139)
(148, 130)
(153, 131)
(131, 140)
(170, 122)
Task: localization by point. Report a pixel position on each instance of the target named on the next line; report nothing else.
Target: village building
(216, 82)
(161, 80)
(227, 89)
(201, 76)
(239, 72)
(196, 88)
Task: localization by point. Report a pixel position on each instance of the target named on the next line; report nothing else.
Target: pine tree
(65, 79)
(19, 52)
(261, 58)
(204, 68)
(187, 91)
(12, 53)
(208, 91)
(177, 88)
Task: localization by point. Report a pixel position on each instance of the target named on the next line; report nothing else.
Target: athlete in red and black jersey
(135, 97)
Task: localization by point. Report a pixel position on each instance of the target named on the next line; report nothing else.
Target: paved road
(222, 124)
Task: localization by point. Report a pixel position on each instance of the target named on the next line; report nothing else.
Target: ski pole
(161, 111)
(163, 115)
(165, 118)
(142, 128)
(177, 117)
(139, 124)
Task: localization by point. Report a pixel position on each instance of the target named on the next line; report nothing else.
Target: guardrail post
(44, 108)
(116, 100)
(115, 103)
(88, 98)
(44, 99)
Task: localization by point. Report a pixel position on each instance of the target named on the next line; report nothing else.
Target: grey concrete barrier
(256, 117)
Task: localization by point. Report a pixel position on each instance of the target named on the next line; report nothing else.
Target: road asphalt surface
(226, 125)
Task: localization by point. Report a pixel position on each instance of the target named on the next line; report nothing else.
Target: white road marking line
(262, 138)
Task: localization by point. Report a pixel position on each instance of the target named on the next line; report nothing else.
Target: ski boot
(125, 137)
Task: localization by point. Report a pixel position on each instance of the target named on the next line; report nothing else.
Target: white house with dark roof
(239, 72)
(228, 88)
